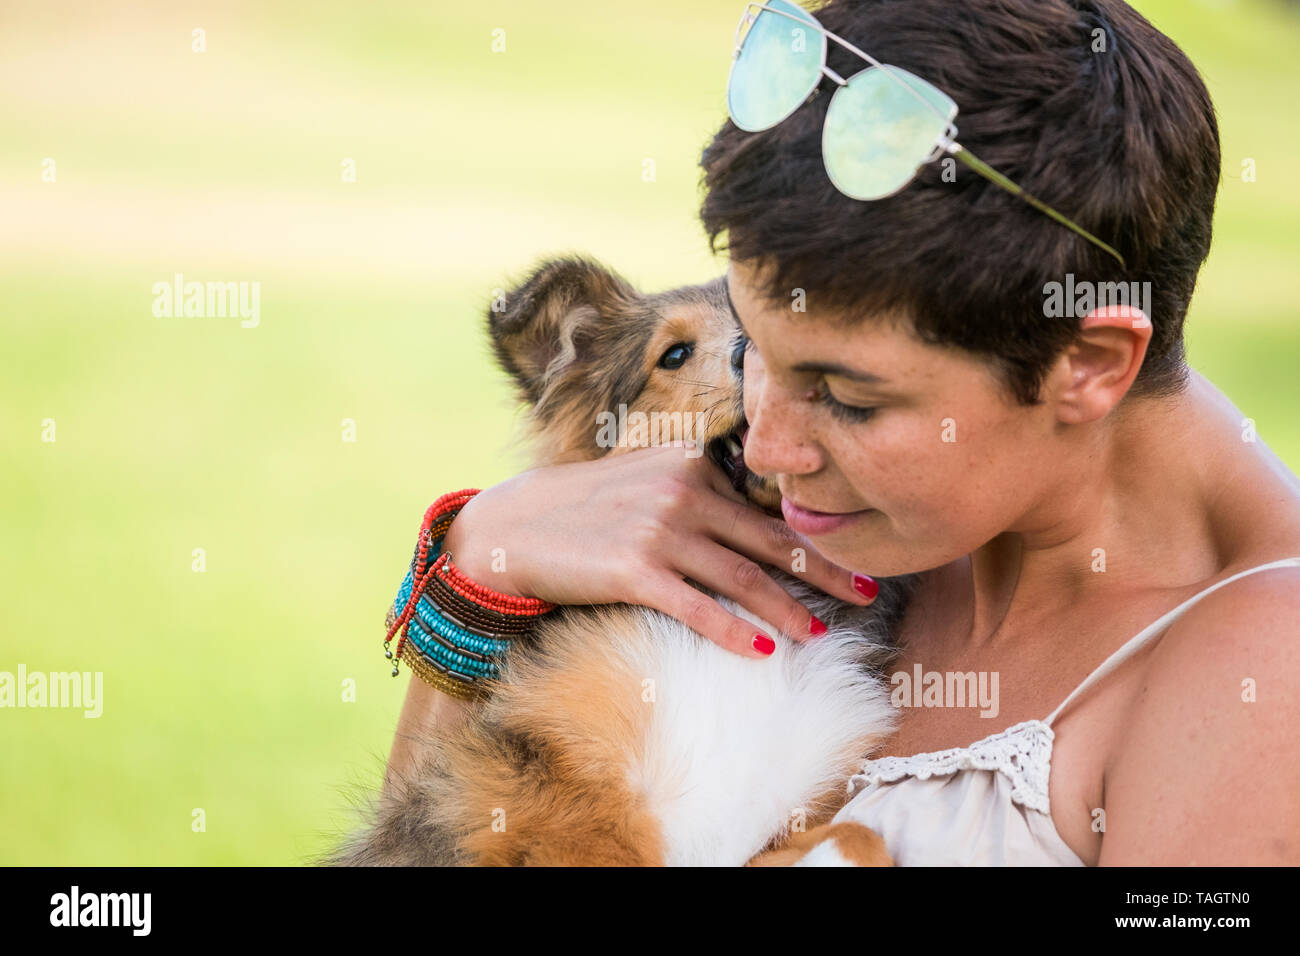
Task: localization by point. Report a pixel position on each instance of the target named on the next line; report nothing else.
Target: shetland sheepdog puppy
(618, 736)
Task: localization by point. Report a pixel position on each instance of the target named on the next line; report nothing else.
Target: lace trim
(1022, 753)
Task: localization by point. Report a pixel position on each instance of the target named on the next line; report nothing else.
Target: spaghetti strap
(1137, 641)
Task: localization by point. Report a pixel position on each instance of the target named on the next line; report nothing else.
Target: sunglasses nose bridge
(839, 80)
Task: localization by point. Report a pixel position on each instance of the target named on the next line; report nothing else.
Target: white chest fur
(737, 747)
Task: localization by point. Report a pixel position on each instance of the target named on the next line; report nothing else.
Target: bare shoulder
(1258, 614)
(1245, 637)
(1209, 763)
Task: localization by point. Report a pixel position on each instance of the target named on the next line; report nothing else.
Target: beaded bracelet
(460, 626)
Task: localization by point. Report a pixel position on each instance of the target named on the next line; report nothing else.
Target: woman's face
(917, 469)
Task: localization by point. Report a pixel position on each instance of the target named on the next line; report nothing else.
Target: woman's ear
(1097, 370)
(542, 333)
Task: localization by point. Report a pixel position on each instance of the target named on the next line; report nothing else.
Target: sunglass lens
(878, 132)
(780, 63)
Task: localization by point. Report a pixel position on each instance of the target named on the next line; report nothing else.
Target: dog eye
(676, 356)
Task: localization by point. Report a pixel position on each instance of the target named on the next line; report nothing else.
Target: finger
(706, 617)
(745, 582)
(714, 476)
(749, 531)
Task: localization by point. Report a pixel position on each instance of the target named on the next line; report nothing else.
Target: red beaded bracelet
(471, 590)
(441, 512)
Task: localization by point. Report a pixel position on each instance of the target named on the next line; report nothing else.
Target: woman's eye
(847, 413)
(676, 356)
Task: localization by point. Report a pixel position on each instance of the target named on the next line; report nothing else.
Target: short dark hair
(1124, 141)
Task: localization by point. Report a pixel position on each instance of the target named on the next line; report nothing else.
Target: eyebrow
(824, 368)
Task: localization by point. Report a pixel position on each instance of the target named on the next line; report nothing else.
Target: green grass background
(223, 690)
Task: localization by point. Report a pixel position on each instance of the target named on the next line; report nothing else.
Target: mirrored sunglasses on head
(883, 123)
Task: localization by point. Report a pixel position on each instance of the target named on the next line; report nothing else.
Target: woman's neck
(1150, 500)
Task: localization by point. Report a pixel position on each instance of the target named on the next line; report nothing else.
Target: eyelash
(855, 414)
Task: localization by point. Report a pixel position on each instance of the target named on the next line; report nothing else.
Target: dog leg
(835, 844)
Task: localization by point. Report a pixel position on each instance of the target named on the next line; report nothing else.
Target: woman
(1095, 524)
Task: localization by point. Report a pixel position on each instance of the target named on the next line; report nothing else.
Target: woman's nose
(778, 441)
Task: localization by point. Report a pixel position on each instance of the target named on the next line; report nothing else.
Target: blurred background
(378, 170)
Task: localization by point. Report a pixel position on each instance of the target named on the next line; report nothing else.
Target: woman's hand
(628, 529)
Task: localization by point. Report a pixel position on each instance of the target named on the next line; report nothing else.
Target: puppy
(618, 736)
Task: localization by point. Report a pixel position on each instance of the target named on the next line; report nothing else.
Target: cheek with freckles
(975, 486)
(936, 500)
(896, 463)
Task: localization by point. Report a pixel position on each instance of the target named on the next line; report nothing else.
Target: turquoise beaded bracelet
(454, 650)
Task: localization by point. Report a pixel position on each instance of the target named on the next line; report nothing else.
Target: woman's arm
(425, 708)
(627, 529)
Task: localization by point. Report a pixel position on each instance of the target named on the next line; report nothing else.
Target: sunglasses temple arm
(995, 177)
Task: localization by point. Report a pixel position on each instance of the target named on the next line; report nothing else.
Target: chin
(859, 550)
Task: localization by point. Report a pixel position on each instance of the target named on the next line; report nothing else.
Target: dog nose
(738, 356)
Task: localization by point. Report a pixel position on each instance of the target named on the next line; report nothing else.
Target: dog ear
(551, 325)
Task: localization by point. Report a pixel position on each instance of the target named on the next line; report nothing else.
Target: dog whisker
(708, 386)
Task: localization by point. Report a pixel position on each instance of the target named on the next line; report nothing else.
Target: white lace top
(986, 804)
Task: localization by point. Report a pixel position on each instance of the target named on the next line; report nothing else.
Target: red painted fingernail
(865, 586)
(816, 628)
(764, 644)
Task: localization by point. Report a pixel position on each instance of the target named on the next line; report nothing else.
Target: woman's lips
(813, 523)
